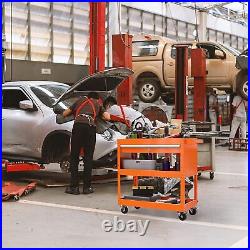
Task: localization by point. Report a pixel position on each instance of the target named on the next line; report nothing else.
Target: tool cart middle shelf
(186, 148)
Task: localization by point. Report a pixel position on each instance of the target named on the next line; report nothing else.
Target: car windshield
(49, 93)
(233, 51)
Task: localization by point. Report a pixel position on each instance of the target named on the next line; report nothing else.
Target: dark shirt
(86, 114)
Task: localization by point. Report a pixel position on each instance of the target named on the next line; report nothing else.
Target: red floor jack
(10, 189)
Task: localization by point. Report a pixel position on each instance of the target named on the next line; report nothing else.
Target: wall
(28, 70)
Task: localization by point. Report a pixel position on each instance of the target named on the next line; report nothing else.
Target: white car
(31, 131)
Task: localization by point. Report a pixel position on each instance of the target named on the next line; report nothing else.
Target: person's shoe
(88, 190)
(72, 190)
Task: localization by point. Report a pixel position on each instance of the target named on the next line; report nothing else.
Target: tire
(124, 209)
(193, 211)
(242, 85)
(148, 91)
(65, 165)
(182, 216)
(16, 198)
(26, 192)
(211, 175)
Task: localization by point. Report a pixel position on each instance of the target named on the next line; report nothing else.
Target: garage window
(12, 97)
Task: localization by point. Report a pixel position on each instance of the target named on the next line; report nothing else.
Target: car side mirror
(26, 105)
(219, 55)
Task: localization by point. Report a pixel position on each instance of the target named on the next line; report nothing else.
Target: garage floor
(50, 218)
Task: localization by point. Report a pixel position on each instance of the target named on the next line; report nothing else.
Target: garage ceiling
(233, 11)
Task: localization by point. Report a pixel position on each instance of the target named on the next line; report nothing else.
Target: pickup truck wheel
(242, 86)
(148, 91)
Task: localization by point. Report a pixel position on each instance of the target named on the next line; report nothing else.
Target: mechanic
(213, 106)
(85, 111)
(127, 115)
(239, 117)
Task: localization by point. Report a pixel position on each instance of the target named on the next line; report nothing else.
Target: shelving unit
(185, 147)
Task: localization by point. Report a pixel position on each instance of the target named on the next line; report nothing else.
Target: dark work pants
(83, 136)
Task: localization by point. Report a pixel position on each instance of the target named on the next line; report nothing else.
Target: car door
(18, 124)
(216, 64)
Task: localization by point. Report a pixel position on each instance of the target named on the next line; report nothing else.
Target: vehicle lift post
(97, 36)
(181, 81)
(122, 57)
(206, 150)
(198, 71)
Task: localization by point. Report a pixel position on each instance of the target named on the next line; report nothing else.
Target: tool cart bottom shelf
(181, 209)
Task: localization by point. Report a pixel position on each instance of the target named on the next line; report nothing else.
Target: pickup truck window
(212, 51)
(145, 48)
(231, 50)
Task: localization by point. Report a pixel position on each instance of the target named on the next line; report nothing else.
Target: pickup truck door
(169, 65)
(19, 135)
(216, 64)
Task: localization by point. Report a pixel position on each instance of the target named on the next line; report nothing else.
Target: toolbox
(146, 191)
(139, 164)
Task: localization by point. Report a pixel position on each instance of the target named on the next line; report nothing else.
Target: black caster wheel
(124, 209)
(26, 192)
(182, 216)
(193, 211)
(199, 174)
(137, 207)
(16, 198)
(211, 175)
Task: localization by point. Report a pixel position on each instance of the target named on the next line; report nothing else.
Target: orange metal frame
(187, 148)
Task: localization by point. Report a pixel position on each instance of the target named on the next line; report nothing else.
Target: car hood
(106, 80)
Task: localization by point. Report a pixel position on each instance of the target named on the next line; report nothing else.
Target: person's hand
(67, 112)
(106, 116)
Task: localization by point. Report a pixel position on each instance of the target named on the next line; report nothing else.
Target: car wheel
(242, 86)
(65, 165)
(148, 91)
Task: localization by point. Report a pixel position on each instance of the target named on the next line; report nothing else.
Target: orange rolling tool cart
(184, 148)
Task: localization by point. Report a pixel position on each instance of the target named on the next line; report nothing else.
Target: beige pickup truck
(154, 67)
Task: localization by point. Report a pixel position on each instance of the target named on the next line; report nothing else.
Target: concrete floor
(50, 218)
